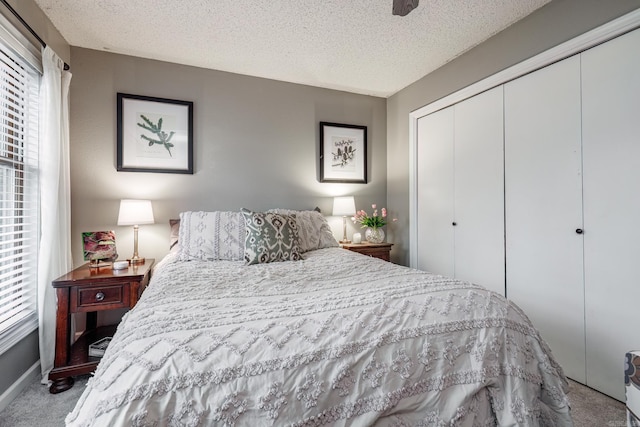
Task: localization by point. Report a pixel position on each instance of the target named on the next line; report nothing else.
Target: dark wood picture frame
(154, 134)
(343, 153)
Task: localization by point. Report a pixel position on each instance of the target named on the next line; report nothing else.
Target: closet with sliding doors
(532, 189)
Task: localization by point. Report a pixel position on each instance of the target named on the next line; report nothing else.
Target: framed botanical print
(154, 134)
(343, 153)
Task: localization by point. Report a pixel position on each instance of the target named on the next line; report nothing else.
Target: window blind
(19, 84)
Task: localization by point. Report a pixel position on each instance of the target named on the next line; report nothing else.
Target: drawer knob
(579, 231)
(99, 296)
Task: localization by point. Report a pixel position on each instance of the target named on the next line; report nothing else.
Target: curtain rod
(28, 27)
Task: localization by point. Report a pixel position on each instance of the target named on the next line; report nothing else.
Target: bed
(329, 338)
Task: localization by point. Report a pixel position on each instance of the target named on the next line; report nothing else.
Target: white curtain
(54, 257)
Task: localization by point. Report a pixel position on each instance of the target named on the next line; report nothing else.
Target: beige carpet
(590, 408)
(36, 407)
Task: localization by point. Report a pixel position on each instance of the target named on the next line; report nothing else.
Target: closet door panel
(435, 192)
(543, 207)
(479, 190)
(611, 144)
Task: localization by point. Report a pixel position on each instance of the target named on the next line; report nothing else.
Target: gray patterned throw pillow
(270, 237)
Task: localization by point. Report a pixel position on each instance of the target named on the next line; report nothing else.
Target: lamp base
(134, 261)
(345, 241)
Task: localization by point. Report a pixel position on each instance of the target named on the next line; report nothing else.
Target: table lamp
(135, 212)
(344, 206)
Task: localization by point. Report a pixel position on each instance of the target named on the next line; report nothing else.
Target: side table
(89, 290)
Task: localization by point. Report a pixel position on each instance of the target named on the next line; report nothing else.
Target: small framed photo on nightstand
(99, 247)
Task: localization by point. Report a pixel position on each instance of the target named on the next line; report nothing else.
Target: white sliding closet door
(611, 144)
(461, 191)
(435, 192)
(543, 204)
(479, 190)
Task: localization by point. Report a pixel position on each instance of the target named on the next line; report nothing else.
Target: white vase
(374, 235)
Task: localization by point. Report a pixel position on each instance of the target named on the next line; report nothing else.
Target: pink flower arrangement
(373, 221)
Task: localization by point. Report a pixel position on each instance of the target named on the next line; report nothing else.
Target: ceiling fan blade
(403, 7)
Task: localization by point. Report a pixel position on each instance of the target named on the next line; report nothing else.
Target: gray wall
(15, 361)
(256, 146)
(551, 25)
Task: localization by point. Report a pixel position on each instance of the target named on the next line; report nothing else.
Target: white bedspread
(335, 339)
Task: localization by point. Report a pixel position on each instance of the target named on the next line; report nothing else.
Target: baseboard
(21, 383)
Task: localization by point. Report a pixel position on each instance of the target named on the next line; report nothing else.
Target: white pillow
(313, 229)
(210, 236)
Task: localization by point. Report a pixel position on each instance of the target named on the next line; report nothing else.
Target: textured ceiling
(352, 45)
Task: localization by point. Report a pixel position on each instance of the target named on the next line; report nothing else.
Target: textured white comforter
(335, 339)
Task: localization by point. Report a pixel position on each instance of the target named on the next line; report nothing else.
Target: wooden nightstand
(376, 250)
(89, 290)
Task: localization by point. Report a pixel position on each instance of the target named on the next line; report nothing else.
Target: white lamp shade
(344, 206)
(135, 212)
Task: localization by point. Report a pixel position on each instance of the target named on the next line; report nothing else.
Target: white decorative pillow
(313, 229)
(270, 237)
(210, 236)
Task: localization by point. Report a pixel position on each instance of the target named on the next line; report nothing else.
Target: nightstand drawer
(375, 250)
(381, 253)
(93, 298)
